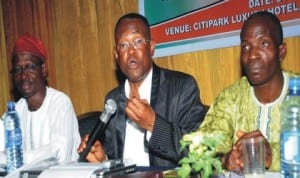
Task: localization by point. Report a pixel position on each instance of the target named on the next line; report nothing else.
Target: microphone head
(110, 106)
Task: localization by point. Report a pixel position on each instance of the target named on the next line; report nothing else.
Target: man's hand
(96, 153)
(141, 112)
(233, 160)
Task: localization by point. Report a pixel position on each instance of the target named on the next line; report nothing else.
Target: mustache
(23, 82)
(253, 65)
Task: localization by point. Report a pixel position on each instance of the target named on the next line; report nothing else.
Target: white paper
(74, 170)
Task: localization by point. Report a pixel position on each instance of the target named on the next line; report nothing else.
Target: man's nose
(253, 53)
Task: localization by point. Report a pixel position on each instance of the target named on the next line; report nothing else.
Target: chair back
(87, 121)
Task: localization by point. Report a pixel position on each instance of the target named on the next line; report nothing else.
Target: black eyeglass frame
(29, 68)
(136, 44)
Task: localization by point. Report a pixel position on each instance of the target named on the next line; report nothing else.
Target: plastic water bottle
(290, 132)
(13, 139)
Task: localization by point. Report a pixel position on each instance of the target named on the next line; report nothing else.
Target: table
(144, 172)
(236, 175)
(225, 175)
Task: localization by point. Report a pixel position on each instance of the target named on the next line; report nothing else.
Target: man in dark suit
(156, 107)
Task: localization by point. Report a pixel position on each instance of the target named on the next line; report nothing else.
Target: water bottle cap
(11, 106)
(294, 86)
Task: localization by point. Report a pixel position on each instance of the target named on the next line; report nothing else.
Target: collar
(145, 88)
(279, 99)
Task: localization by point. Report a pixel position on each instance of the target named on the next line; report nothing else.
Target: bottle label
(9, 124)
(290, 148)
(14, 137)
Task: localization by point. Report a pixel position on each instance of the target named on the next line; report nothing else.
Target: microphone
(109, 109)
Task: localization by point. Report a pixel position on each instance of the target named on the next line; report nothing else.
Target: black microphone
(109, 109)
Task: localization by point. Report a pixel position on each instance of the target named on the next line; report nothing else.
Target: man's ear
(282, 51)
(45, 70)
(116, 55)
(152, 47)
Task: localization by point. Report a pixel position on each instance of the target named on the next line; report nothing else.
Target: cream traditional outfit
(50, 131)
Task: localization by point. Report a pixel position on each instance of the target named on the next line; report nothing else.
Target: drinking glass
(253, 157)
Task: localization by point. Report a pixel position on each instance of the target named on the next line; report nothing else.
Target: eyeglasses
(136, 44)
(30, 68)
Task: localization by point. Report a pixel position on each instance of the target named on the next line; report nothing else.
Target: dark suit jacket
(176, 101)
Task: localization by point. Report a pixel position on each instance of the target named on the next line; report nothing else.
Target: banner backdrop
(180, 26)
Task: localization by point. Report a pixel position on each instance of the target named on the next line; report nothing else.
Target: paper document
(74, 170)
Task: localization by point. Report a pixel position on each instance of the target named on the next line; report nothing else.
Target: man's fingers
(82, 144)
(240, 134)
(86, 137)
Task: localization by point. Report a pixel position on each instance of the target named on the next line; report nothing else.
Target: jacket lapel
(121, 119)
(155, 85)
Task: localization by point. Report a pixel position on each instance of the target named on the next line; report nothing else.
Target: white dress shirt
(134, 149)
